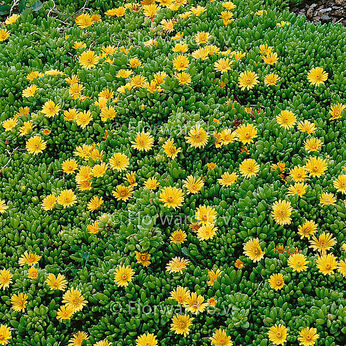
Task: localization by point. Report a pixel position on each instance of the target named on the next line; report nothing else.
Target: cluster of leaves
(43, 39)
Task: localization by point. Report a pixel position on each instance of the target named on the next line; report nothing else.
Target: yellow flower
(316, 166)
(32, 273)
(340, 183)
(170, 149)
(327, 199)
(66, 198)
(93, 228)
(74, 300)
(83, 21)
(270, 58)
(276, 281)
(181, 324)
(151, 183)
(64, 313)
(202, 37)
(88, 59)
(247, 80)
(176, 265)
(297, 188)
(29, 91)
(317, 76)
(56, 282)
(5, 334)
(197, 137)
(278, 334)
(180, 48)
(308, 336)
(336, 111)
(193, 185)
(220, 338)
(83, 118)
(172, 197)
(181, 62)
(180, 294)
(5, 280)
(4, 35)
(49, 202)
(28, 258)
(307, 126)
(99, 170)
(249, 168)
(286, 119)
(146, 340)
(183, 78)
(70, 115)
(123, 275)
(9, 124)
(143, 258)
(50, 109)
(326, 264)
(205, 214)
(298, 173)
(19, 301)
(271, 79)
(253, 250)
(297, 262)
(35, 145)
(307, 229)
(26, 128)
(312, 144)
(150, 10)
(222, 65)
(178, 237)
(119, 162)
(213, 275)
(122, 192)
(228, 5)
(77, 339)
(282, 212)
(195, 303)
(69, 166)
(206, 231)
(144, 141)
(11, 20)
(342, 267)
(246, 133)
(3, 206)
(95, 203)
(323, 243)
(79, 45)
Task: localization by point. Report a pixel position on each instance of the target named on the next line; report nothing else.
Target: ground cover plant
(172, 172)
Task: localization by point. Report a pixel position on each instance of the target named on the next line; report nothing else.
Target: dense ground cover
(171, 174)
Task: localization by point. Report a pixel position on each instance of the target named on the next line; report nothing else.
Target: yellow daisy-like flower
(19, 301)
(4, 35)
(270, 58)
(178, 237)
(213, 275)
(323, 243)
(64, 313)
(326, 264)
(181, 295)
(83, 119)
(340, 183)
(172, 197)
(170, 149)
(276, 281)
(181, 63)
(271, 79)
(197, 137)
(3, 206)
(67, 198)
(307, 126)
(11, 20)
(278, 334)
(122, 192)
(50, 109)
(143, 258)
(74, 299)
(327, 199)
(93, 228)
(247, 80)
(88, 59)
(195, 303)
(56, 282)
(316, 166)
(29, 91)
(220, 338)
(336, 111)
(307, 229)
(193, 185)
(206, 231)
(298, 173)
(222, 65)
(28, 258)
(77, 339)
(69, 166)
(297, 262)
(249, 168)
(144, 141)
(227, 136)
(119, 162)
(246, 133)
(84, 20)
(177, 265)
(32, 273)
(5, 279)
(123, 275)
(312, 144)
(342, 267)
(49, 202)
(35, 145)
(317, 76)
(286, 119)
(227, 179)
(297, 188)
(146, 340)
(181, 324)
(95, 203)
(202, 37)
(5, 334)
(183, 78)
(205, 214)
(9, 124)
(152, 183)
(282, 212)
(308, 336)
(253, 250)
